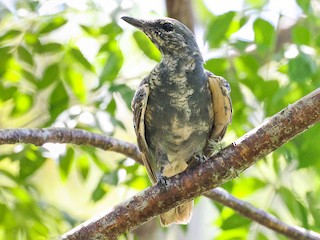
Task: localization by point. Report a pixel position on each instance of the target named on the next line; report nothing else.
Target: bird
(179, 109)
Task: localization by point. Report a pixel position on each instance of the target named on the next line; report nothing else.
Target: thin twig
(246, 209)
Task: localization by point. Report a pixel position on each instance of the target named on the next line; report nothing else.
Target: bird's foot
(162, 179)
(214, 146)
(201, 158)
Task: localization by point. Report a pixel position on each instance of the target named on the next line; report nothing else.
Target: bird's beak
(135, 22)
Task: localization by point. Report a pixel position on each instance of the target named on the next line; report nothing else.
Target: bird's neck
(182, 58)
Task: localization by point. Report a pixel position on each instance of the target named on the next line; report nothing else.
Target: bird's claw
(200, 158)
(162, 180)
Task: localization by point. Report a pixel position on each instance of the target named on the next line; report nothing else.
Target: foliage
(57, 69)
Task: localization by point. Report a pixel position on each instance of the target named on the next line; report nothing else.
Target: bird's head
(169, 35)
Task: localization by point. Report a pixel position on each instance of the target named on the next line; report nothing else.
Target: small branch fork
(225, 165)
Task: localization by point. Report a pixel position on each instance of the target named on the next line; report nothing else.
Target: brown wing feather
(138, 105)
(222, 106)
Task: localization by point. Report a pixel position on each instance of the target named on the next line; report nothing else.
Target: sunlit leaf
(113, 63)
(264, 34)
(304, 4)
(217, 28)
(25, 55)
(111, 108)
(125, 91)
(30, 161)
(76, 82)
(51, 48)
(83, 165)
(50, 75)
(80, 58)
(58, 101)
(22, 104)
(7, 92)
(301, 67)
(112, 30)
(218, 66)
(147, 46)
(9, 35)
(52, 24)
(65, 163)
(301, 35)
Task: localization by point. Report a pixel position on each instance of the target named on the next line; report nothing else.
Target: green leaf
(83, 165)
(98, 192)
(9, 35)
(113, 63)
(78, 56)
(264, 34)
(7, 92)
(22, 104)
(301, 35)
(58, 101)
(29, 76)
(125, 91)
(218, 28)
(53, 24)
(107, 180)
(25, 55)
(218, 66)
(256, 3)
(65, 163)
(32, 40)
(90, 30)
(148, 48)
(51, 48)
(301, 68)
(77, 84)
(30, 161)
(50, 75)
(304, 4)
(111, 108)
(112, 30)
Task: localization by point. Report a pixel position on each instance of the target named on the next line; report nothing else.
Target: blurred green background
(75, 64)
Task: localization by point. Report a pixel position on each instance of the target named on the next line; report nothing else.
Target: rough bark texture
(39, 137)
(182, 11)
(262, 217)
(223, 166)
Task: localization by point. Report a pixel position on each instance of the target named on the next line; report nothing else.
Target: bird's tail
(178, 215)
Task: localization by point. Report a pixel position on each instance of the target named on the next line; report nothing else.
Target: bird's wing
(139, 105)
(222, 106)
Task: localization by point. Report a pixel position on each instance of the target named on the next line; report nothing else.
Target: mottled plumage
(178, 107)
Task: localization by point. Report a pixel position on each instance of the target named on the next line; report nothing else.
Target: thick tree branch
(220, 168)
(61, 135)
(262, 217)
(39, 137)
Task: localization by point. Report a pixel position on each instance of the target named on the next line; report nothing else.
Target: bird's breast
(179, 112)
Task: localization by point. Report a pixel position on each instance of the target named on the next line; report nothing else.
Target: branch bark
(39, 137)
(225, 165)
(222, 196)
(182, 11)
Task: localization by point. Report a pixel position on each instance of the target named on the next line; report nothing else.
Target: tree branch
(39, 137)
(222, 196)
(220, 168)
(182, 11)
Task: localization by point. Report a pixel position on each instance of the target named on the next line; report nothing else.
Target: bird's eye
(168, 27)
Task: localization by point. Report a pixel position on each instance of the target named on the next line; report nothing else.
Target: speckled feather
(178, 107)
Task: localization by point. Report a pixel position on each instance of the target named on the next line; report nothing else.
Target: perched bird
(178, 108)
